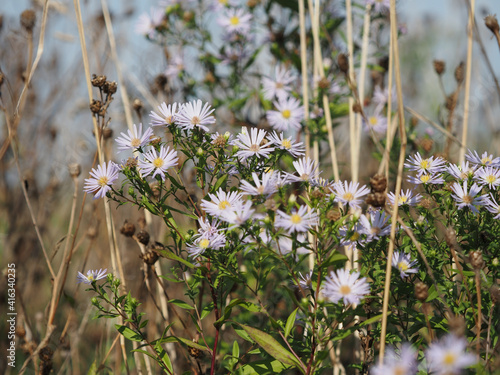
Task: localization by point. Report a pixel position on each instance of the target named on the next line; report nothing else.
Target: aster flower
(380, 6)
(449, 356)
(344, 285)
(285, 245)
(279, 87)
(201, 244)
(91, 276)
(375, 227)
(289, 114)
(486, 160)
(251, 144)
(403, 364)
(101, 179)
(425, 166)
(295, 149)
(175, 67)
(492, 206)
(158, 163)
(147, 23)
(166, 116)
(403, 263)
(207, 229)
(192, 114)
(235, 20)
(134, 139)
(427, 179)
(377, 123)
(305, 281)
(461, 172)
(306, 169)
(351, 236)
(220, 140)
(266, 187)
(349, 193)
(298, 221)
(380, 97)
(221, 202)
(468, 198)
(488, 176)
(238, 214)
(404, 198)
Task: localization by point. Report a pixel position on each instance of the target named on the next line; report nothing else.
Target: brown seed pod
(491, 23)
(459, 73)
(439, 66)
(476, 259)
(28, 20)
(98, 81)
(378, 183)
(376, 199)
(343, 62)
(143, 237)
(421, 291)
(127, 229)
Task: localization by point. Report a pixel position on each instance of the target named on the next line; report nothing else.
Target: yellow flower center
(375, 230)
(402, 266)
(223, 205)
(234, 20)
(425, 178)
(286, 144)
(348, 196)
(260, 189)
(295, 219)
(373, 121)
(195, 120)
(158, 162)
(90, 277)
(135, 142)
(345, 290)
(449, 359)
(254, 148)
(355, 236)
(424, 164)
(204, 243)
(102, 181)
(286, 113)
(490, 179)
(279, 85)
(223, 2)
(403, 199)
(486, 160)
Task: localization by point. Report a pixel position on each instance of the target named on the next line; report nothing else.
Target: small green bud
(304, 303)
(199, 152)
(292, 199)
(131, 191)
(267, 220)
(227, 135)
(495, 262)
(94, 301)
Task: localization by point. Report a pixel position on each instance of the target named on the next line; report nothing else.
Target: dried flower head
(128, 229)
(98, 81)
(439, 66)
(343, 62)
(491, 23)
(28, 20)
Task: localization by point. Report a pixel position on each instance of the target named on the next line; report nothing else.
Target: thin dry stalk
(402, 154)
(350, 52)
(479, 313)
(465, 126)
(303, 66)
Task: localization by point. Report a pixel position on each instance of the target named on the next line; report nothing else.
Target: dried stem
(303, 66)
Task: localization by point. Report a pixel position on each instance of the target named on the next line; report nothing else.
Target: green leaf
(219, 182)
(128, 333)
(92, 369)
(192, 344)
(263, 368)
(170, 255)
(273, 347)
(207, 310)
(290, 322)
(164, 357)
(181, 304)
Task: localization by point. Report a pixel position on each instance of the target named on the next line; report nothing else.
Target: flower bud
(343, 63)
(74, 170)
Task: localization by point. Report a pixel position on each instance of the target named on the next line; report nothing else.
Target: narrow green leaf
(290, 322)
(92, 369)
(128, 333)
(170, 255)
(181, 304)
(162, 353)
(207, 310)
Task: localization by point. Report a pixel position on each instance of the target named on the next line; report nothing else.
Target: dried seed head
(160, 82)
(457, 325)
(427, 144)
(46, 354)
(376, 199)
(343, 62)
(131, 163)
(28, 20)
(324, 83)
(450, 102)
(74, 170)
(476, 259)
(356, 108)
(378, 183)
(439, 66)
(154, 140)
(209, 78)
(20, 331)
(98, 81)
(107, 133)
(252, 3)
(333, 214)
(110, 87)
(137, 105)
(459, 73)
(450, 237)
(491, 23)
(128, 229)
(495, 294)
(143, 237)
(413, 121)
(220, 141)
(421, 291)
(149, 257)
(96, 106)
(317, 194)
(194, 352)
(270, 204)
(92, 232)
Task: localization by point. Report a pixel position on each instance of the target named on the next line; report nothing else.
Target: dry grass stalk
(303, 65)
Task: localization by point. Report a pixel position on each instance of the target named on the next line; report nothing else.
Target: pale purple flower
(221, 202)
(488, 176)
(251, 144)
(235, 20)
(492, 206)
(449, 356)
(295, 149)
(425, 166)
(486, 160)
(349, 193)
(158, 163)
(134, 139)
(405, 198)
(238, 214)
(193, 114)
(298, 221)
(91, 276)
(376, 123)
(265, 187)
(201, 244)
(403, 364)
(375, 227)
(166, 116)
(403, 263)
(342, 285)
(427, 179)
(288, 116)
(461, 172)
(465, 197)
(147, 23)
(101, 179)
(307, 170)
(279, 87)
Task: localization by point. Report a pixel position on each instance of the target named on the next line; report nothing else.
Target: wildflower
(380, 97)
(298, 221)
(221, 202)
(147, 23)
(403, 263)
(207, 229)
(486, 160)
(295, 149)
(289, 114)
(201, 244)
(285, 245)
(305, 281)
(468, 199)
(488, 176)
(379, 6)
(427, 179)
(192, 114)
(279, 86)
(167, 115)
(376, 226)
(175, 67)
(492, 206)
(238, 214)
(377, 123)
(251, 144)
(425, 166)
(351, 236)
(135, 139)
(235, 20)
(266, 187)
(461, 172)
(349, 193)
(220, 140)
(306, 169)
(158, 163)
(403, 364)
(91, 276)
(405, 198)
(448, 356)
(101, 179)
(346, 286)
